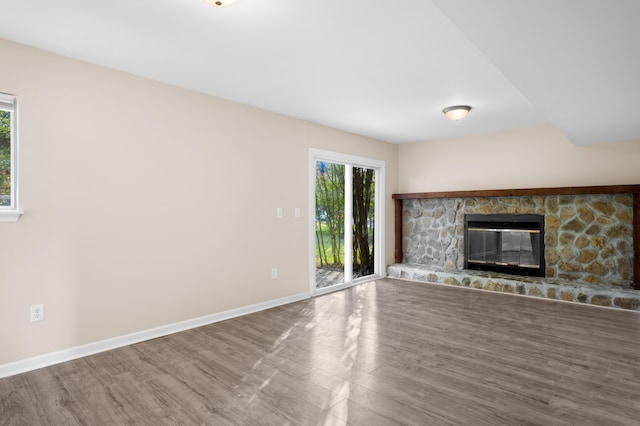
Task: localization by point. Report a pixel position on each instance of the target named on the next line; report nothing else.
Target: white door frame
(349, 161)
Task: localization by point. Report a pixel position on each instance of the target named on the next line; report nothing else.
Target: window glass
(7, 152)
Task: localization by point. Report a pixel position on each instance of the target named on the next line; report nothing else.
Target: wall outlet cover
(36, 313)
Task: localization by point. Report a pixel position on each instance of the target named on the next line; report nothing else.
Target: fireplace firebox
(507, 243)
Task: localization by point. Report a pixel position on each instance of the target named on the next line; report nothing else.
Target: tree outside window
(5, 158)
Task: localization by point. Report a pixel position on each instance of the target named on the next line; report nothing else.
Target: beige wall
(524, 158)
(146, 204)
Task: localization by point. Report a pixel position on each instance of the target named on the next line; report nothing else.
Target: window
(9, 211)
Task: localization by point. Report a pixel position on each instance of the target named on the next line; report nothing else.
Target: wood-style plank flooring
(383, 353)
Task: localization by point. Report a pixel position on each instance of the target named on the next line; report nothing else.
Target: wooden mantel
(526, 192)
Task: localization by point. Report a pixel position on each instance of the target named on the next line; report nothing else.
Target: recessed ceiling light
(220, 3)
(457, 112)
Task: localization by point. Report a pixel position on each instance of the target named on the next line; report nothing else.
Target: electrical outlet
(274, 273)
(37, 312)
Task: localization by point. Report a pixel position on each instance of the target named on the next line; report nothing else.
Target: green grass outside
(326, 237)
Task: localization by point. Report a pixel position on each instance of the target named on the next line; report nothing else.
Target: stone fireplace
(588, 242)
(588, 238)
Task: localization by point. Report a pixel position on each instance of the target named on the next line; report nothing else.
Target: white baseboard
(64, 355)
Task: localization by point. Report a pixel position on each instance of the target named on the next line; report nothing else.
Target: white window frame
(349, 161)
(11, 213)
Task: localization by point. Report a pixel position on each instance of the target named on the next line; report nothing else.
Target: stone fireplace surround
(591, 242)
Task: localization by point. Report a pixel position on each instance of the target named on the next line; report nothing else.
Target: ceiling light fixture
(220, 3)
(457, 112)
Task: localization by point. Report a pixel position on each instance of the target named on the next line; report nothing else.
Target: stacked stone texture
(588, 238)
(614, 297)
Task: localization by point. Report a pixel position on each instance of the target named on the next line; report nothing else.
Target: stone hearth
(603, 295)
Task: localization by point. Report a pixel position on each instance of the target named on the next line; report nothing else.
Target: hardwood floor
(383, 353)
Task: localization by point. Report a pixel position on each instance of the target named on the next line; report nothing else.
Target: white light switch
(279, 213)
(296, 212)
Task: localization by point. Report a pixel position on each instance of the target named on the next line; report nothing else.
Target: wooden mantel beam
(525, 192)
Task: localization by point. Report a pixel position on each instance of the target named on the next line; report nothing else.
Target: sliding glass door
(346, 245)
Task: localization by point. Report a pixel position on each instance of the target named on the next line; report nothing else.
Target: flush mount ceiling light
(457, 112)
(220, 3)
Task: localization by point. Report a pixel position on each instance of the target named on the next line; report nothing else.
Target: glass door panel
(329, 223)
(363, 187)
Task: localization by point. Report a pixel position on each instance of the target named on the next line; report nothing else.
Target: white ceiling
(384, 69)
